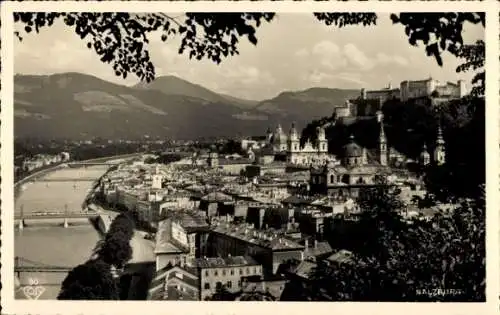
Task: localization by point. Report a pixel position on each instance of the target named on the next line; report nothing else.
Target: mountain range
(80, 106)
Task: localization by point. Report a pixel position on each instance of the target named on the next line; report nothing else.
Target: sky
(294, 52)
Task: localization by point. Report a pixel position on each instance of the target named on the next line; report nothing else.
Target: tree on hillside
(89, 281)
(464, 172)
(380, 214)
(446, 252)
(121, 39)
(122, 223)
(114, 249)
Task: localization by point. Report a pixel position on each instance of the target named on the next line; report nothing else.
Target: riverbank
(47, 242)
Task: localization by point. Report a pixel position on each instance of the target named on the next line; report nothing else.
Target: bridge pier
(65, 224)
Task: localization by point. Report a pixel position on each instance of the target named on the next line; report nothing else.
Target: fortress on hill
(439, 92)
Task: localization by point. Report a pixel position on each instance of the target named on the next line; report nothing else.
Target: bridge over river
(79, 179)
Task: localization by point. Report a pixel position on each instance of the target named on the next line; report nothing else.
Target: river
(55, 245)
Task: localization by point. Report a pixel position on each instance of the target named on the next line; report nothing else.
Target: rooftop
(244, 232)
(217, 197)
(188, 220)
(321, 248)
(342, 256)
(164, 242)
(218, 262)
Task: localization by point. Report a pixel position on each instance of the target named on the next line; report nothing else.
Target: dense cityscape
(175, 192)
(257, 219)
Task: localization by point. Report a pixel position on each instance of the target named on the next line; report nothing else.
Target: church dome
(352, 149)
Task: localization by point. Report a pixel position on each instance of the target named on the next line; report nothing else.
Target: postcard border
(11, 306)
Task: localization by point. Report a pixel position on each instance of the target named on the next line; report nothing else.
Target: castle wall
(384, 95)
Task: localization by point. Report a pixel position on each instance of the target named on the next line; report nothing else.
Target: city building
(203, 277)
(175, 283)
(180, 239)
(268, 248)
(228, 272)
(289, 147)
(354, 172)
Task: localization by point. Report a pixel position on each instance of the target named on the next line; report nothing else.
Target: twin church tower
(289, 145)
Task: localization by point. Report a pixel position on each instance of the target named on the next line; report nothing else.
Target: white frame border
(12, 306)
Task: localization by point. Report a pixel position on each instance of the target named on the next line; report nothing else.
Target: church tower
(382, 145)
(269, 135)
(439, 150)
(293, 140)
(322, 141)
(279, 140)
(425, 157)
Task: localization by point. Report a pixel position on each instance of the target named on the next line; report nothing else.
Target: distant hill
(307, 105)
(80, 106)
(171, 85)
(74, 105)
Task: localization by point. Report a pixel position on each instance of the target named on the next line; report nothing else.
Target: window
(224, 272)
(241, 271)
(206, 273)
(207, 286)
(216, 273)
(232, 272)
(255, 270)
(239, 283)
(218, 285)
(345, 179)
(248, 271)
(332, 178)
(229, 284)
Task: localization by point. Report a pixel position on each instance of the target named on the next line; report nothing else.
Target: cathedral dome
(352, 149)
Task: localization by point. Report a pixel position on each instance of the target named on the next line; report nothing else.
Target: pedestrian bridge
(22, 220)
(83, 164)
(68, 179)
(22, 264)
(31, 273)
(69, 215)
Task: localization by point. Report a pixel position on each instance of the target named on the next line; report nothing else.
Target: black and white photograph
(248, 156)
